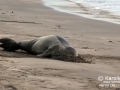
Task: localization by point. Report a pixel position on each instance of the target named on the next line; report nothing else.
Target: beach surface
(96, 40)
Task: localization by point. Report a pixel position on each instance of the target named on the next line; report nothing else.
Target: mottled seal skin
(46, 46)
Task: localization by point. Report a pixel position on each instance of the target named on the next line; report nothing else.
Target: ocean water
(106, 10)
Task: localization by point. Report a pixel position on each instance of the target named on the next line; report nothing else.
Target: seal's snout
(71, 51)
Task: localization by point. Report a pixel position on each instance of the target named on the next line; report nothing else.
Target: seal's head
(70, 51)
(64, 53)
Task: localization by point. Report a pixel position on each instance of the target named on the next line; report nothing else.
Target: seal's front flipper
(8, 44)
(49, 52)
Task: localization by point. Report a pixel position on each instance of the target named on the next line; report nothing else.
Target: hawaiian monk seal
(46, 46)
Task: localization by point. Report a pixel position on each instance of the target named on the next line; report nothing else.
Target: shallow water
(106, 10)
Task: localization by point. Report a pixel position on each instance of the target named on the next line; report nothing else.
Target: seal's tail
(9, 44)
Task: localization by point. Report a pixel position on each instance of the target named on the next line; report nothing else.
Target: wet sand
(96, 40)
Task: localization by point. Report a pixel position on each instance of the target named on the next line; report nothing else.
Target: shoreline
(28, 19)
(83, 11)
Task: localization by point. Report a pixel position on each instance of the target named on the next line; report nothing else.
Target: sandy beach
(96, 40)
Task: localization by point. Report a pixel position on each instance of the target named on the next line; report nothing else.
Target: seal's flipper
(9, 44)
(49, 52)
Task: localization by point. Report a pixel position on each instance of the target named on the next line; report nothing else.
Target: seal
(44, 47)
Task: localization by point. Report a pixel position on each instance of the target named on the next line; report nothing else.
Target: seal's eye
(49, 56)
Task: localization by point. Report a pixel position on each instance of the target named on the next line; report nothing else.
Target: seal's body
(45, 46)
